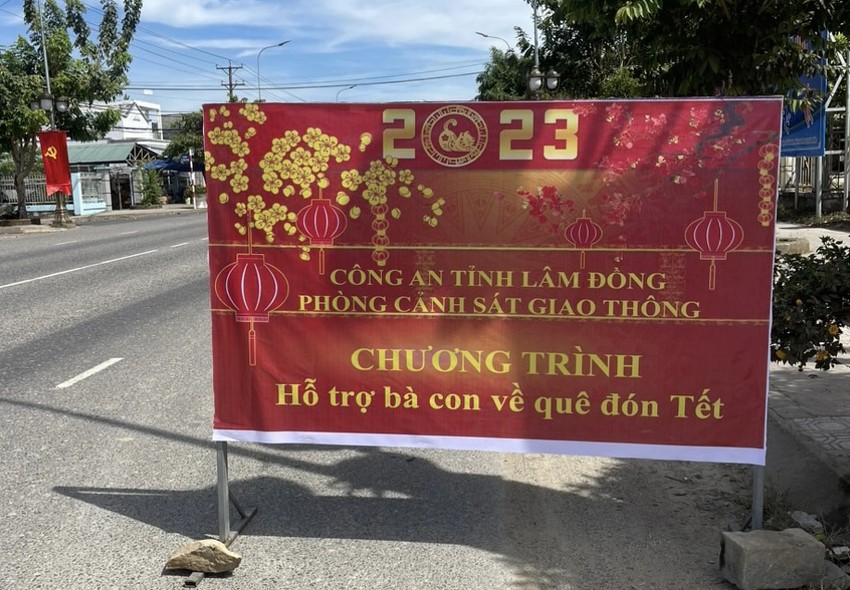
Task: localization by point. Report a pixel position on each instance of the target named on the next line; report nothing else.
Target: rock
(807, 522)
(834, 577)
(762, 560)
(208, 556)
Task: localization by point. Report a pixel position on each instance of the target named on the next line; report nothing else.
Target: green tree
(190, 135)
(587, 67)
(503, 78)
(82, 68)
(686, 47)
(151, 188)
(717, 47)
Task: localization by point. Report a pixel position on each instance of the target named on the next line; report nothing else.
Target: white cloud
(331, 42)
(330, 24)
(448, 23)
(203, 13)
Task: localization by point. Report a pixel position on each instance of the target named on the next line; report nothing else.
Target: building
(139, 120)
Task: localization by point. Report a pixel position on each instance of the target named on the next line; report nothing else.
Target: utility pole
(230, 84)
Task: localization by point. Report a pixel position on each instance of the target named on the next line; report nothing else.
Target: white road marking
(66, 243)
(128, 233)
(89, 373)
(180, 244)
(64, 272)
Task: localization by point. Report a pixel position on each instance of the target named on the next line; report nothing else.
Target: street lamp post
(536, 78)
(259, 90)
(46, 102)
(486, 36)
(341, 90)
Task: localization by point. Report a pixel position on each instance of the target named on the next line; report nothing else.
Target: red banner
(588, 277)
(54, 154)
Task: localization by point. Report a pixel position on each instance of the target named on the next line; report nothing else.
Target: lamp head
(535, 80)
(45, 102)
(552, 79)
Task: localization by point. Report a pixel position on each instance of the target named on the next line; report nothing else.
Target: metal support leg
(757, 517)
(226, 533)
(223, 492)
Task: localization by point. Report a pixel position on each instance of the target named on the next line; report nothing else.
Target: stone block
(769, 560)
(208, 556)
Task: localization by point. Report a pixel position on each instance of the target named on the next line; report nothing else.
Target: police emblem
(454, 136)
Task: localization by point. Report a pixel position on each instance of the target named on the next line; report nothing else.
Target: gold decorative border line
(472, 316)
(672, 250)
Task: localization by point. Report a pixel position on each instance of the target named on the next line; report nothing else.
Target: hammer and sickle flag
(54, 154)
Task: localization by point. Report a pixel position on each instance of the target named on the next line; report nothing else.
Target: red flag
(54, 154)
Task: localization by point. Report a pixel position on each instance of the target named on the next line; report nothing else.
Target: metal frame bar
(227, 531)
(757, 513)
(846, 64)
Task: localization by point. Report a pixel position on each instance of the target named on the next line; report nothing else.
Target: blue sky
(379, 47)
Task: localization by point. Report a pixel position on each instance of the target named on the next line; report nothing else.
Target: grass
(806, 217)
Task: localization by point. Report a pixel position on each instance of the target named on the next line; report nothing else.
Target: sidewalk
(808, 444)
(47, 219)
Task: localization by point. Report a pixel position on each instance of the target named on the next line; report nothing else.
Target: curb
(133, 214)
(26, 229)
(45, 221)
(792, 245)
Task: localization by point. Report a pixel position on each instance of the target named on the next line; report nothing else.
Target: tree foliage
(586, 68)
(152, 190)
(82, 68)
(190, 135)
(686, 47)
(717, 47)
(502, 78)
(811, 303)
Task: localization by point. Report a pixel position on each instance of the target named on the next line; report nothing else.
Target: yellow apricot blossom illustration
(264, 219)
(375, 183)
(296, 164)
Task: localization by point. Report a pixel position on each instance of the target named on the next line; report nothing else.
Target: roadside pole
(192, 180)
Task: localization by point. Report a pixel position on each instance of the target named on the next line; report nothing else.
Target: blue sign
(804, 131)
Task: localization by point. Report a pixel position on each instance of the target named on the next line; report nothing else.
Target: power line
(231, 84)
(348, 81)
(194, 68)
(137, 44)
(170, 40)
(174, 68)
(313, 86)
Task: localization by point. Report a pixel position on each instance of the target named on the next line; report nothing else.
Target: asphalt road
(107, 464)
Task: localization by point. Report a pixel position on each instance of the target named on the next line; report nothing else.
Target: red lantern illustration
(321, 222)
(713, 236)
(583, 233)
(252, 288)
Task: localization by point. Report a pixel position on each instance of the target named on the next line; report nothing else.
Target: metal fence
(35, 186)
(93, 194)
